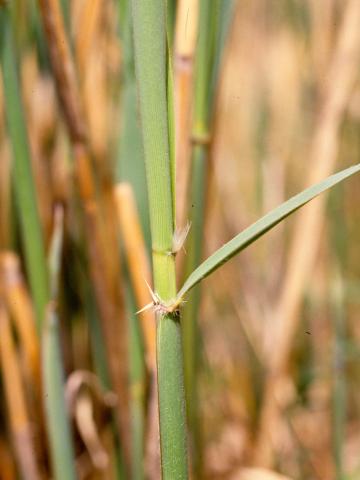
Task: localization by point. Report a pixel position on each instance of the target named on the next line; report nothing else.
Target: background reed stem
(31, 233)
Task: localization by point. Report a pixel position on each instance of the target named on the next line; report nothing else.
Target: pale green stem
(149, 21)
(31, 233)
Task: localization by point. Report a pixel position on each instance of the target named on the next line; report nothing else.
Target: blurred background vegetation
(267, 97)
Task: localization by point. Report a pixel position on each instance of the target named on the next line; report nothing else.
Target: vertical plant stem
(20, 424)
(209, 48)
(130, 136)
(137, 264)
(185, 41)
(339, 381)
(339, 244)
(20, 307)
(149, 21)
(191, 309)
(31, 233)
(137, 393)
(61, 447)
(59, 433)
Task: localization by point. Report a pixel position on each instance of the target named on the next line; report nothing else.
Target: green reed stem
(61, 447)
(212, 31)
(137, 391)
(31, 233)
(149, 21)
(58, 426)
(339, 244)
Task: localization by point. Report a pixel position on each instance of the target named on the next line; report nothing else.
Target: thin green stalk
(58, 426)
(170, 17)
(137, 392)
(149, 21)
(61, 447)
(191, 340)
(339, 383)
(130, 136)
(31, 233)
(212, 28)
(339, 239)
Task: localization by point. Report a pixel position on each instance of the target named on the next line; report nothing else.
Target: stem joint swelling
(178, 241)
(163, 307)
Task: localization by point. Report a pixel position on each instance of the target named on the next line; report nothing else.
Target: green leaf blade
(261, 226)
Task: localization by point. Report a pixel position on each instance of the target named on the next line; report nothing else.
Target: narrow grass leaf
(61, 446)
(257, 229)
(59, 432)
(31, 233)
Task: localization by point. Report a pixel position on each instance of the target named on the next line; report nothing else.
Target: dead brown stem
(16, 402)
(20, 308)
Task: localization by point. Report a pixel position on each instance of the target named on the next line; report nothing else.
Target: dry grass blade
(20, 307)
(19, 422)
(82, 390)
(84, 417)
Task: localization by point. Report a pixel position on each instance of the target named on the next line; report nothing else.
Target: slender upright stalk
(59, 432)
(31, 233)
(17, 407)
(61, 447)
(211, 35)
(185, 42)
(339, 392)
(339, 244)
(19, 305)
(149, 21)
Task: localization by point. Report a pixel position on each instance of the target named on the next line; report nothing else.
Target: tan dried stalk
(138, 264)
(17, 407)
(5, 197)
(336, 92)
(140, 273)
(185, 42)
(19, 305)
(87, 26)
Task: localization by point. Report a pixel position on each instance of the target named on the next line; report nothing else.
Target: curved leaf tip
(261, 226)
